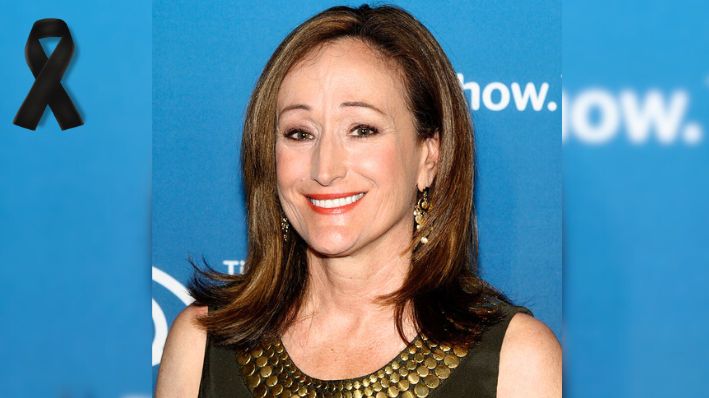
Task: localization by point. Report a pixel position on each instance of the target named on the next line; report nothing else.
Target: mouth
(334, 203)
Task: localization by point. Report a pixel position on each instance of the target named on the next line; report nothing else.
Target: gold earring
(285, 226)
(420, 211)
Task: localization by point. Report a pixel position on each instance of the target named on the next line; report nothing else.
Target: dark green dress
(422, 369)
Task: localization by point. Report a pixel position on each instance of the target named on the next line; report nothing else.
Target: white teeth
(331, 203)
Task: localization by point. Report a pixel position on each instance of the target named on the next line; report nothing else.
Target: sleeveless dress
(422, 369)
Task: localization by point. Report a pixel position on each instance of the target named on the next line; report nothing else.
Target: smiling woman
(361, 278)
(349, 149)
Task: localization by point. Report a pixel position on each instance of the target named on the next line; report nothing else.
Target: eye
(364, 130)
(298, 135)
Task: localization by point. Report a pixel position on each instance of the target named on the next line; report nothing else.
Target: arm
(530, 361)
(181, 364)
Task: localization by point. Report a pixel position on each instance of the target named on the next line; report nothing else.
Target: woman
(357, 156)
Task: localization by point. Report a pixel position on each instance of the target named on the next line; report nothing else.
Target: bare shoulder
(530, 360)
(182, 358)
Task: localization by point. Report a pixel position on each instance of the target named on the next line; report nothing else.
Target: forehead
(346, 69)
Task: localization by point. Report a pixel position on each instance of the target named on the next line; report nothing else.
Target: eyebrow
(292, 107)
(342, 105)
(363, 105)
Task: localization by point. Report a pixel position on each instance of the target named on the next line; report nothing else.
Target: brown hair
(451, 303)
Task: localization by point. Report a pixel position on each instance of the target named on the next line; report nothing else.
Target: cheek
(386, 164)
(289, 169)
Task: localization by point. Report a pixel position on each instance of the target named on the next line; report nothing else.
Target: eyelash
(289, 134)
(373, 131)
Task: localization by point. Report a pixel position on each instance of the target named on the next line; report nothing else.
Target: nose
(329, 160)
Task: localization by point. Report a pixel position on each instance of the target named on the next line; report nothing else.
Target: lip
(326, 196)
(333, 210)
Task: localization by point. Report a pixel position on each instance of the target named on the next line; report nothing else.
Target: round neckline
(418, 369)
(296, 370)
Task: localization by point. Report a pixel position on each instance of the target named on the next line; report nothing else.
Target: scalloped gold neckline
(416, 371)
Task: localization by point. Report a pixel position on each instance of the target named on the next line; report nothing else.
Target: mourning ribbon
(47, 88)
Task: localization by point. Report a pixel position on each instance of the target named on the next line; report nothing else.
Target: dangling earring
(420, 213)
(285, 226)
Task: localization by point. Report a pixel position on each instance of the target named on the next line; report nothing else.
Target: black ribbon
(47, 88)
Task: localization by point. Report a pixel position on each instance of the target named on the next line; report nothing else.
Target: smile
(332, 205)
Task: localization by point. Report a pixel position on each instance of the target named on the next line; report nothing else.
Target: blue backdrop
(74, 205)
(75, 208)
(206, 59)
(636, 195)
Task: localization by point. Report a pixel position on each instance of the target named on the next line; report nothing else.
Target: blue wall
(635, 204)
(74, 209)
(75, 205)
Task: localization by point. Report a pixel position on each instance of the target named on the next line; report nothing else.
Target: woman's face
(348, 160)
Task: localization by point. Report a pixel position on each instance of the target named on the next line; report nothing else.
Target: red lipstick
(329, 196)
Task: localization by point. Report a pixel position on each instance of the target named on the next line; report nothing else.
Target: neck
(344, 292)
(352, 286)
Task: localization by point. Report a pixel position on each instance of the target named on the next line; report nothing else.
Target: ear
(428, 164)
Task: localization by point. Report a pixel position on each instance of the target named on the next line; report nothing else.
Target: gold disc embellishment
(419, 369)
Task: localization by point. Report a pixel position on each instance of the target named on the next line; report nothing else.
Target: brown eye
(298, 135)
(364, 130)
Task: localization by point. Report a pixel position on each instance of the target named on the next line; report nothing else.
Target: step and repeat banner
(207, 57)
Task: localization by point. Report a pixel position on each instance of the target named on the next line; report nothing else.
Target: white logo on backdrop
(497, 96)
(234, 266)
(159, 320)
(595, 116)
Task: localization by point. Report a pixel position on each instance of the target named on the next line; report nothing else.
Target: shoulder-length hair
(450, 303)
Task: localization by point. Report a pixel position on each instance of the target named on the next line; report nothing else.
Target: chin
(331, 247)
